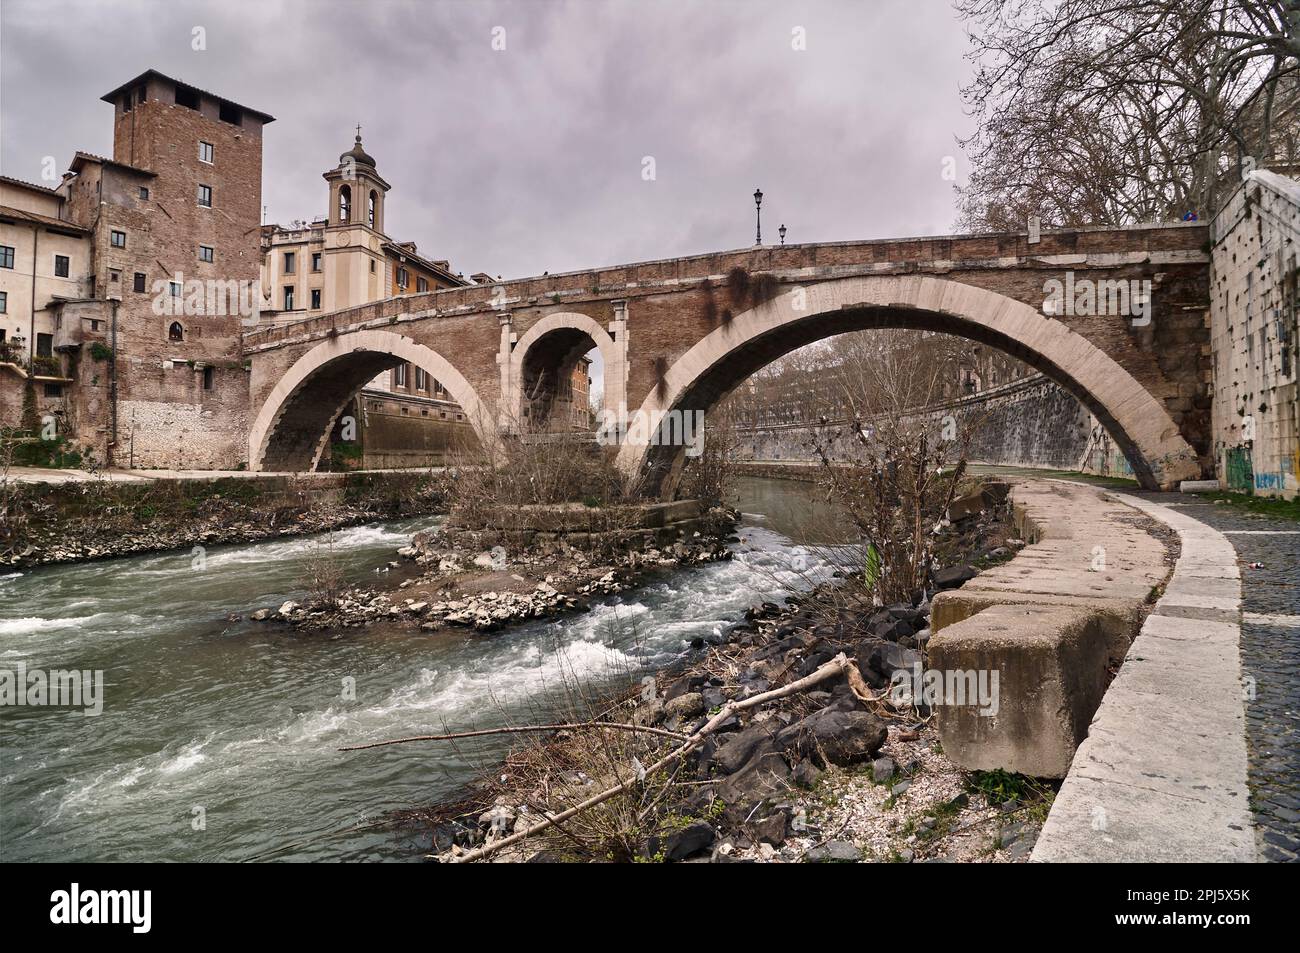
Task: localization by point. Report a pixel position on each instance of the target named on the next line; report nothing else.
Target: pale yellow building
(44, 259)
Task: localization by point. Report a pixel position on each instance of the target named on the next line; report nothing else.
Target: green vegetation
(101, 351)
(55, 454)
(1258, 505)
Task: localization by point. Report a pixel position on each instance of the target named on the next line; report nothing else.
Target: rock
(893, 630)
(763, 776)
(1009, 835)
(690, 705)
(691, 839)
(771, 829)
(889, 658)
(806, 774)
(288, 607)
(834, 852)
(260, 615)
(840, 737)
(906, 856)
(882, 769)
(900, 788)
(740, 746)
(965, 507)
(954, 576)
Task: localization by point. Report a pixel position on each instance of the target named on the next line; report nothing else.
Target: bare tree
(1117, 111)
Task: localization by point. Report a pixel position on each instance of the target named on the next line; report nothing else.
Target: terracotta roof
(81, 158)
(46, 220)
(28, 185)
(111, 96)
(405, 250)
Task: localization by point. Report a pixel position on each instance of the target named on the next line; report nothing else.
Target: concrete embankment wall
(1027, 423)
(1054, 622)
(1154, 759)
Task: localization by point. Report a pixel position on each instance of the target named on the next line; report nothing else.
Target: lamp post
(781, 230)
(758, 216)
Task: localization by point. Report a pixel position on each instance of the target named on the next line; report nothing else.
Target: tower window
(370, 211)
(206, 253)
(187, 97)
(345, 204)
(205, 196)
(175, 332)
(205, 152)
(60, 266)
(144, 193)
(232, 114)
(116, 239)
(209, 377)
(139, 281)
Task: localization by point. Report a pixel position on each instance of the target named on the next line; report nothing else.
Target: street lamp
(781, 230)
(758, 216)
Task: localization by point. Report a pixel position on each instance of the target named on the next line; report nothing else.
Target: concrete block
(1053, 665)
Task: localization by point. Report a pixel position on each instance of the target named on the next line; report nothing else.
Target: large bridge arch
(728, 355)
(295, 420)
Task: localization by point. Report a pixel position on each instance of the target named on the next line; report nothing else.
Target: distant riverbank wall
(1031, 422)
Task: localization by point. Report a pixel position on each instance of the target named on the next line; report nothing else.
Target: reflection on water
(798, 511)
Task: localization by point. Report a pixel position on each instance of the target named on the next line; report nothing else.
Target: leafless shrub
(531, 468)
(893, 467)
(324, 577)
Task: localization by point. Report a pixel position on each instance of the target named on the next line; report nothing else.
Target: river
(218, 736)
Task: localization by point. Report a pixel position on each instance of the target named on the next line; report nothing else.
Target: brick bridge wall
(657, 311)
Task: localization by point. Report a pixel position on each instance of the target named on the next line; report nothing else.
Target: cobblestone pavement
(1270, 653)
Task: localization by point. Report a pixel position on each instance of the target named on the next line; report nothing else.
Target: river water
(218, 738)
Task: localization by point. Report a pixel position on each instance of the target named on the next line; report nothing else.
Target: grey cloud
(529, 160)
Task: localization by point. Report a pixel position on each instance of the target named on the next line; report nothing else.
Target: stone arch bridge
(679, 334)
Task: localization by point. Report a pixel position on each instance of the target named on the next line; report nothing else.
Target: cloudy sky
(535, 157)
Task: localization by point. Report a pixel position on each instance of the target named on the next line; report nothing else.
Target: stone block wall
(1253, 308)
(1028, 423)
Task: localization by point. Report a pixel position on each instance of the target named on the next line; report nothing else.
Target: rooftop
(80, 159)
(43, 189)
(46, 220)
(112, 95)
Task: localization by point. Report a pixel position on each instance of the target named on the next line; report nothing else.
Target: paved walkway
(1162, 775)
(1270, 661)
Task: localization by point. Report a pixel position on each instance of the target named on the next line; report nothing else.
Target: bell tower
(354, 236)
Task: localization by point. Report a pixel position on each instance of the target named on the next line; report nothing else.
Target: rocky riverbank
(490, 589)
(79, 522)
(846, 769)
